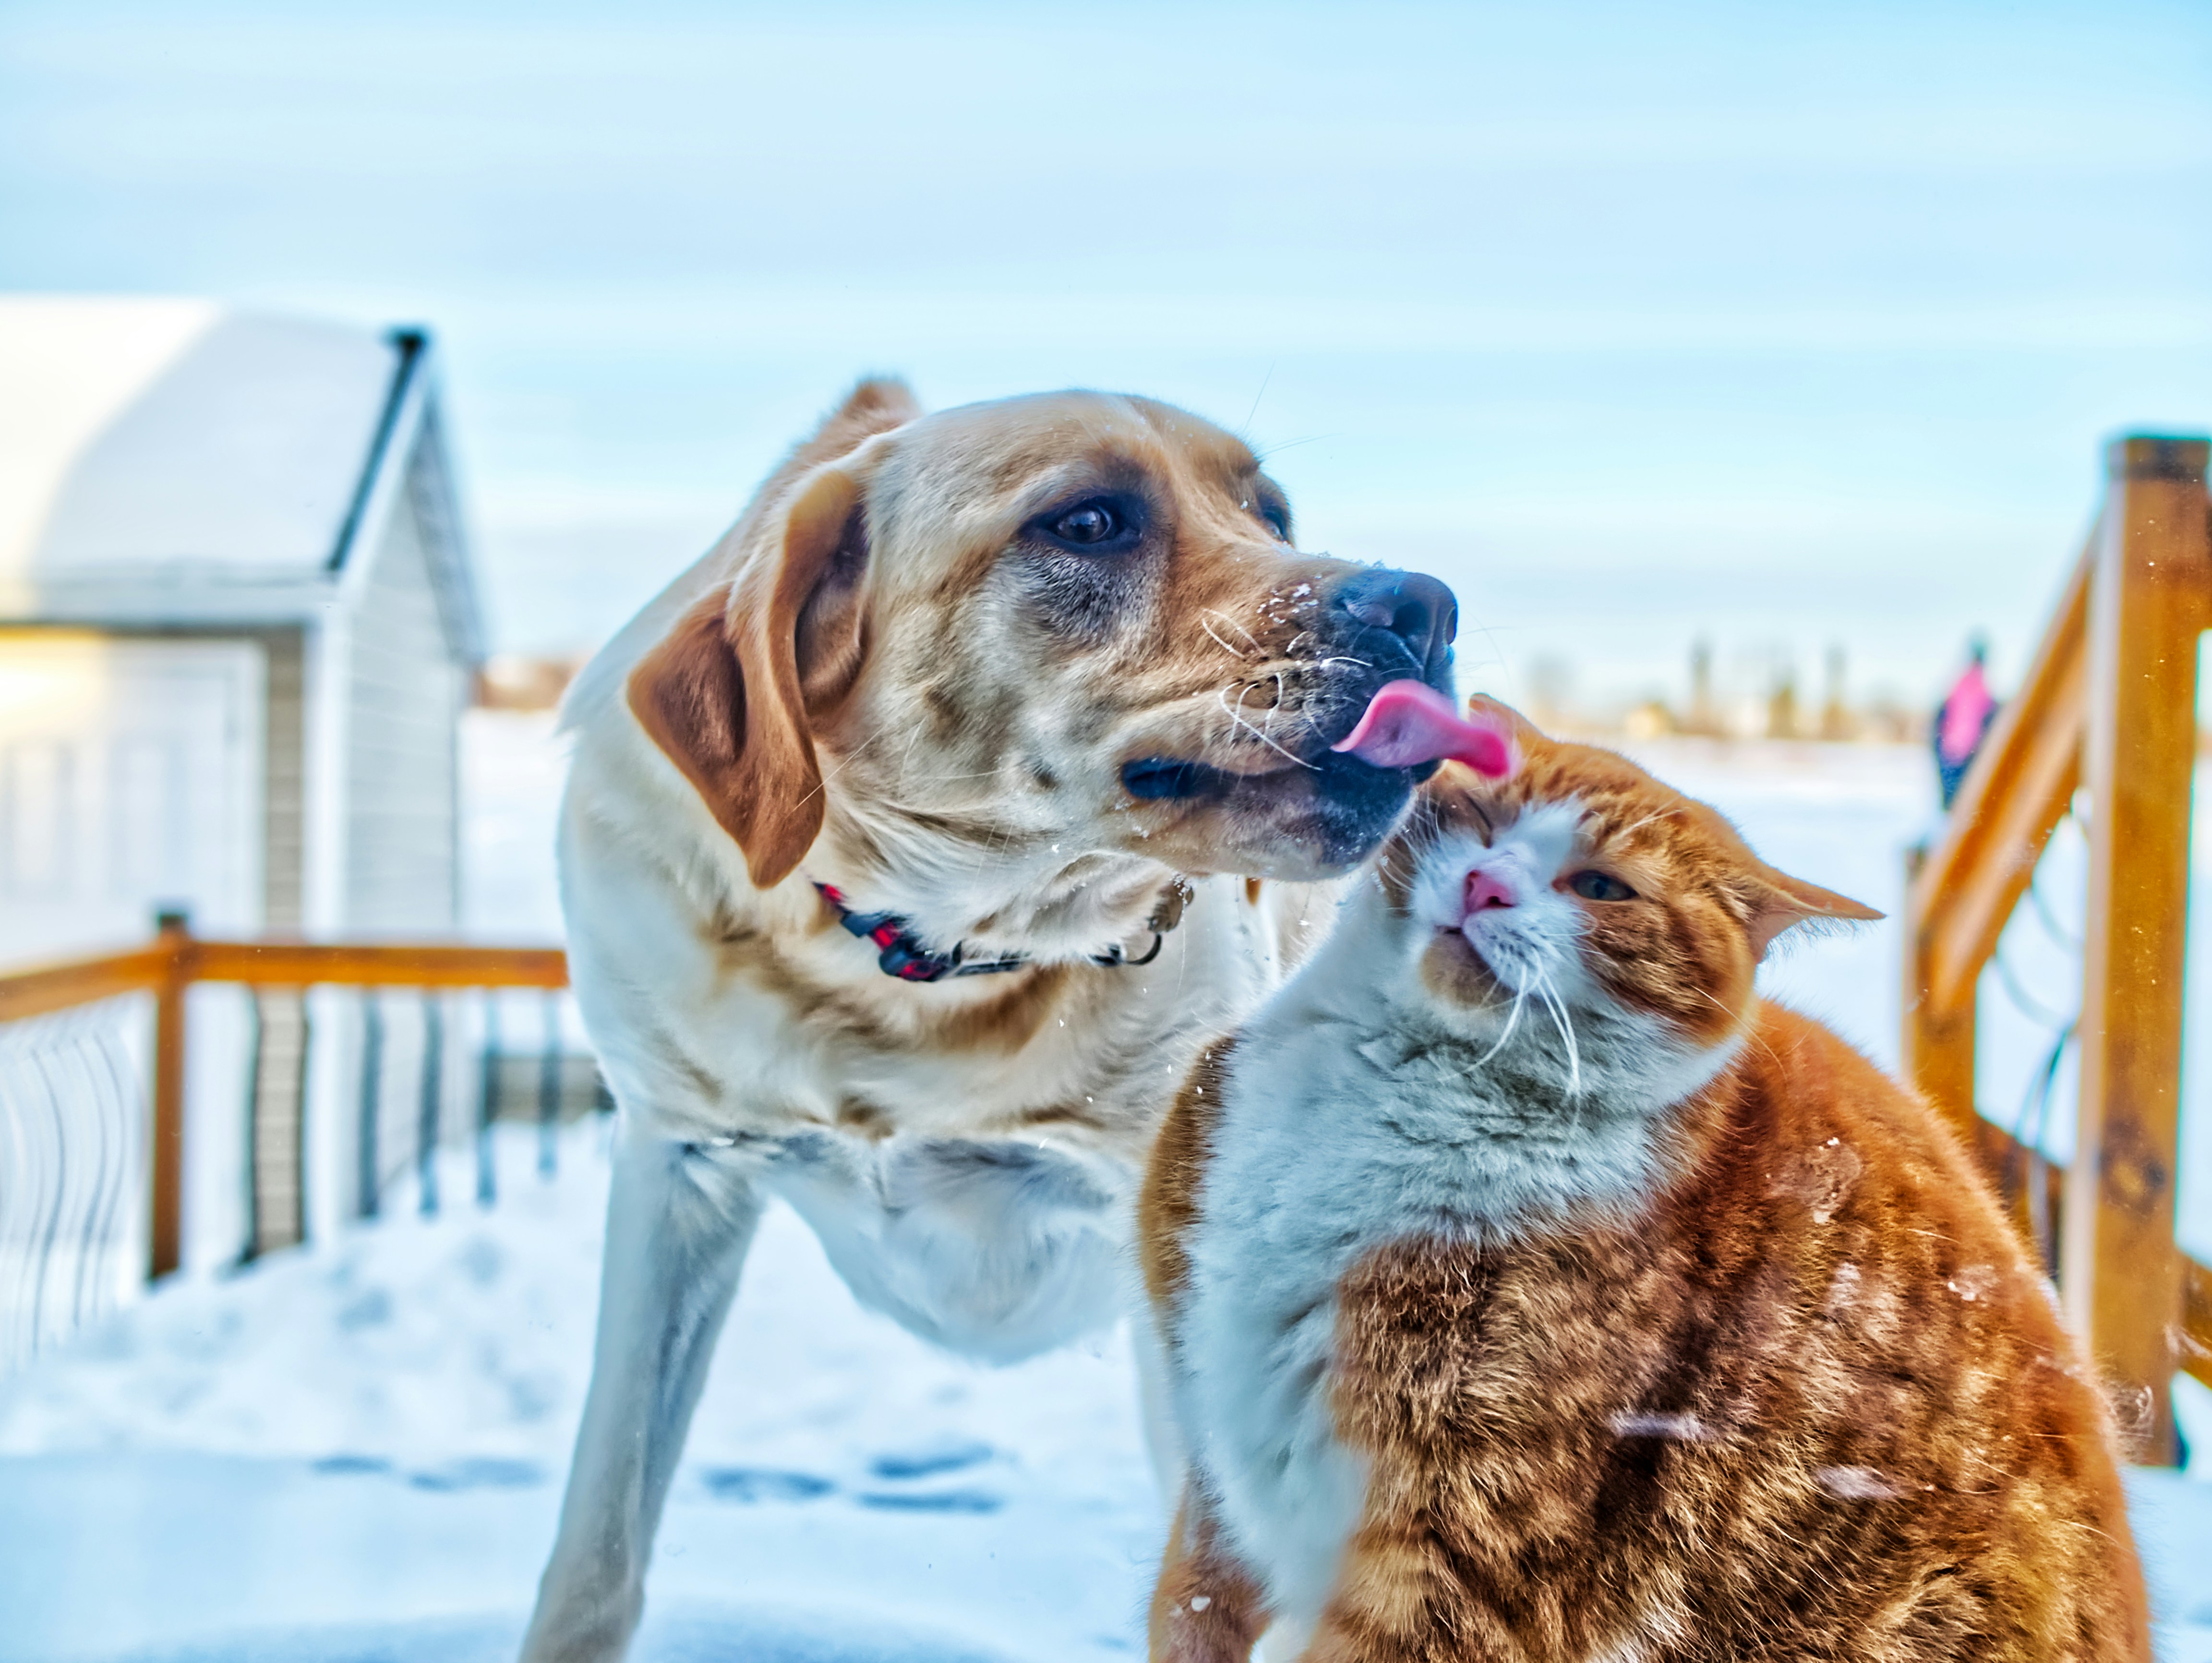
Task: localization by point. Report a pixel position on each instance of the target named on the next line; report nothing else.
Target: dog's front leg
(677, 1227)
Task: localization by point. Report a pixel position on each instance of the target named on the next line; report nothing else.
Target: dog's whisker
(839, 764)
(1233, 652)
(1291, 444)
(1276, 708)
(1236, 717)
(1251, 642)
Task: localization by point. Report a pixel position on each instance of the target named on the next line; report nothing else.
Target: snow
(383, 1423)
(355, 1451)
(168, 440)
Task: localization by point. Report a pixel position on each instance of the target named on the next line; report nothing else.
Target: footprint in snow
(942, 1501)
(901, 1466)
(480, 1472)
(762, 1483)
(342, 1466)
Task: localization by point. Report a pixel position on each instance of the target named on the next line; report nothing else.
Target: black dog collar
(905, 957)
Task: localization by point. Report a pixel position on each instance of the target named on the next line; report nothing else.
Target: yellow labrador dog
(913, 844)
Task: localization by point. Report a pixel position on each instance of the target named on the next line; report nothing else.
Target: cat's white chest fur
(1348, 1126)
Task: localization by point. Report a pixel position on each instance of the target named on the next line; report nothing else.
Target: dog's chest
(969, 1163)
(985, 1202)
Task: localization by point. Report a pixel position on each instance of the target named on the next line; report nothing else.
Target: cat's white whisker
(1657, 814)
(1512, 1022)
(1565, 1023)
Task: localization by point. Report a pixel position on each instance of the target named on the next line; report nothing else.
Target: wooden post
(2120, 1272)
(165, 1142)
(1938, 1048)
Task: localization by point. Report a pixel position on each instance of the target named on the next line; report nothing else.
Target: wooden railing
(177, 960)
(2106, 717)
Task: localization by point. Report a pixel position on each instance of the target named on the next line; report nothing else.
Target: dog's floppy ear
(725, 695)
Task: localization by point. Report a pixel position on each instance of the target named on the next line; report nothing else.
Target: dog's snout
(1420, 610)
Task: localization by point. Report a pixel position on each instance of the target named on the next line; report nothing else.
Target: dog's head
(1022, 655)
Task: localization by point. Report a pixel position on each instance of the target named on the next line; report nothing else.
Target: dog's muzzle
(1400, 622)
(1377, 626)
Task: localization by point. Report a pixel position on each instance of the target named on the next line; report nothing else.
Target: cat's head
(1579, 882)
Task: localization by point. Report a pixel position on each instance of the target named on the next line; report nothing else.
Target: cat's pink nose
(1486, 889)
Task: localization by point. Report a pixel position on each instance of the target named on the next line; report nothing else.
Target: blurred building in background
(238, 626)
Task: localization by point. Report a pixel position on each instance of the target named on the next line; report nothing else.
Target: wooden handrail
(43, 989)
(2010, 801)
(2196, 1348)
(2013, 1167)
(347, 964)
(177, 960)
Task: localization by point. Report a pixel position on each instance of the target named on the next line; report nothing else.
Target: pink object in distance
(1409, 722)
(1965, 715)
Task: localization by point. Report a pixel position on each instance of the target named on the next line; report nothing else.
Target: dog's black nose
(1417, 609)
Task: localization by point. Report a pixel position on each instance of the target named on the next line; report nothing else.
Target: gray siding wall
(402, 823)
(284, 853)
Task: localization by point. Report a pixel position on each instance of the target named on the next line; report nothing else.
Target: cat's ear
(1778, 902)
(1496, 713)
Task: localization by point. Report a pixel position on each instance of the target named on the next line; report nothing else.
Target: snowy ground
(375, 1431)
(355, 1451)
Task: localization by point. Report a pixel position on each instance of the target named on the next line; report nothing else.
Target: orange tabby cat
(1534, 1290)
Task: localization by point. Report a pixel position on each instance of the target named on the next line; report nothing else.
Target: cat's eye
(1597, 886)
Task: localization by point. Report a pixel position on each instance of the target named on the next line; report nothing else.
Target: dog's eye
(1597, 886)
(1274, 513)
(1094, 522)
(1098, 526)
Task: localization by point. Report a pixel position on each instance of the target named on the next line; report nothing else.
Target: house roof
(166, 462)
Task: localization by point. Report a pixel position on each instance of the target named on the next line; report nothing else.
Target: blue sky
(1785, 324)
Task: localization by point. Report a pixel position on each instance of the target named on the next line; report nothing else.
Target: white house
(237, 626)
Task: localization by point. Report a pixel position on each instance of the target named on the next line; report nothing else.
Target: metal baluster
(549, 1090)
(299, 1123)
(250, 1249)
(85, 1041)
(426, 1129)
(487, 1102)
(52, 1227)
(371, 1094)
(20, 1177)
(127, 1106)
(14, 1162)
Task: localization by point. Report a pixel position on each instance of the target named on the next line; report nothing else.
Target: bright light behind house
(1786, 329)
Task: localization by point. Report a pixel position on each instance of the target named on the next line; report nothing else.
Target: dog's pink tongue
(1409, 722)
